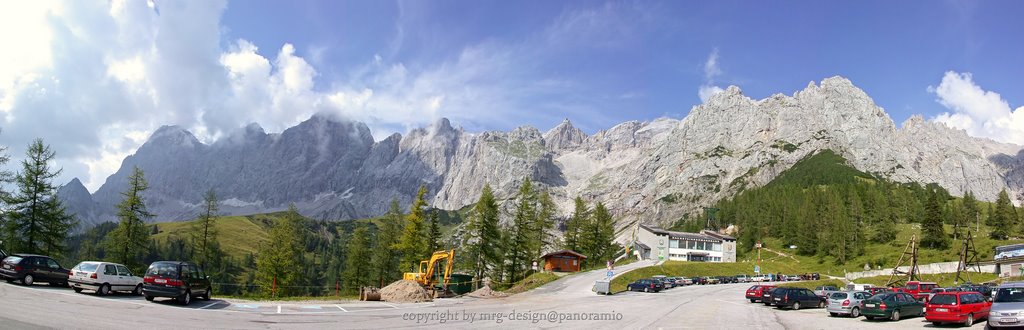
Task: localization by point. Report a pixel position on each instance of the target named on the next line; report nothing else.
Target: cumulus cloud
(711, 70)
(95, 79)
(981, 113)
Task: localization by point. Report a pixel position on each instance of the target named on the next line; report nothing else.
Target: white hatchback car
(104, 278)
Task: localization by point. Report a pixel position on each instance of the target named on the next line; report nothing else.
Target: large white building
(659, 244)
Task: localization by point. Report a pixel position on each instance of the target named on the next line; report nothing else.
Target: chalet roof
(569, 252)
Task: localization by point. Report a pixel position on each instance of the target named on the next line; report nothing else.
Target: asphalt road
(566, 303)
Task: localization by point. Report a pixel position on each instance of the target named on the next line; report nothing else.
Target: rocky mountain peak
(173, 136)
(564, 136)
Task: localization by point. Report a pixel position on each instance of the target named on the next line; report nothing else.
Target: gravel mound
(486, 292)
(404, 291)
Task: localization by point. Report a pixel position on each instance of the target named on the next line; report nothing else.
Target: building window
(673, 243)
(717, 247)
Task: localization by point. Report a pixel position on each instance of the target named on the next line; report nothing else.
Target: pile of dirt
(486, 292)
(404, 291)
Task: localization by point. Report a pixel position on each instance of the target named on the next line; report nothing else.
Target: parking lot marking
(210, 304)
(342, 309)
(279, 309)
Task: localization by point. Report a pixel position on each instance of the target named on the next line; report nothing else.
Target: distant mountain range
(653, 171)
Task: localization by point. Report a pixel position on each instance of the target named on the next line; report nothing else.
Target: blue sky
(642, 60)
(95, 78)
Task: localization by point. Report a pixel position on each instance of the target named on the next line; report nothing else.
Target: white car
(103, 278)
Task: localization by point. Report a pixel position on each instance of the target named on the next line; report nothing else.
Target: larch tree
(358, 272)
(204, 230)
(433, 232)
(130, 241)
(1001, 218)
(413, 243)
(279, 264)
(518, 252)
(483, 235)
(575, 225)
(37, 221)
(933, 235)
(386, 254)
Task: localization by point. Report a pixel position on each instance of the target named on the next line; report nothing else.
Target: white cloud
(94, 79)
(981, 113)
(711, 70)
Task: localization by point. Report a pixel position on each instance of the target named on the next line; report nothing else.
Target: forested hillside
(824, 208)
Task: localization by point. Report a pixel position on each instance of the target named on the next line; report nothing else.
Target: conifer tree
(972, 211)
(600, 235)
(575, 225)
(358, 272)
(1000, 221)
(434, 232)
(204, 231)
(130, 241)
(518, 252)
(545, 222)
(932, 232)
(37, 220)
(280, 260)
(483, 239)
(386, 256)
(413, 243)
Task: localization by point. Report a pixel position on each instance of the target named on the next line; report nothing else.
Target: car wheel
(78, 290)
(896, 315)
(103, 290)
(833, 314)
(796, 305)
(185, 298)
(752, 301)
(28, 280)
(969, 321)
(647, 290)
(138, 290)
(937, 323)
(855, 312)
(206, 296)
(149, 298)
(821, 304)
(870, 317)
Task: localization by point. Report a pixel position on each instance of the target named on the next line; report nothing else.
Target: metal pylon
(968, 261)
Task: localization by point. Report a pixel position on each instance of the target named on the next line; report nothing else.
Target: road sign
(610, 273)
(757, 269)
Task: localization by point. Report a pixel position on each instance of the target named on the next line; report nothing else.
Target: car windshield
(87, 267)
(1007, 295)
(163, 269)
(911, 286)
(943, 299)
(838, 295)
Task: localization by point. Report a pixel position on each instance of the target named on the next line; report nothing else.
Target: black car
(176, 279)
(31, 268)
(796, 298)
(984, 289)
(646, 285)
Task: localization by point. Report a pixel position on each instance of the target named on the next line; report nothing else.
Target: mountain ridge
(333, 169)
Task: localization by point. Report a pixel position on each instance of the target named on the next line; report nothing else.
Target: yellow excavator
(435, 274)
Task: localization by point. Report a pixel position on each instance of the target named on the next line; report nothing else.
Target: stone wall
(936, 268)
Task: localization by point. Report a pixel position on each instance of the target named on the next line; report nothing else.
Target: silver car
(1007, 306)
(846, 303)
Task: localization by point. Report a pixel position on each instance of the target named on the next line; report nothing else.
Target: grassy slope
(238, 235)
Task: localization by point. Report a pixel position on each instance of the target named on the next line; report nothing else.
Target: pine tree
(574, 227)
(1002, 217)
(386, 255)
(128, 243)
(204, 231)
(545, 222)
(413, 243)
(280, 261)
(958, 217)
(933, 235)
(358, 272)
(6, 177)
(483, 239)
(37, 220)
(520, 248)
(434, 232)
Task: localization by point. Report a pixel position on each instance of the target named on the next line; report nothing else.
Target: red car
(919, 290)
(957, 307)
(755, 293)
